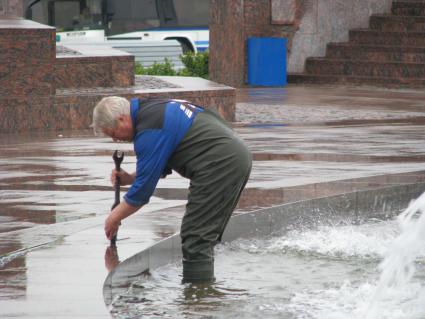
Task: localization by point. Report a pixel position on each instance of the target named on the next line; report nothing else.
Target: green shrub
(166, 68)
(196, 64)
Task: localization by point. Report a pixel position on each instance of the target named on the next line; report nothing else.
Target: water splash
(325, 273)
(7, 258)
(4, 260)
(398, 266)
(369, 241)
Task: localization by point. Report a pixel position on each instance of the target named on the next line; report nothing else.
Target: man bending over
(196, 143)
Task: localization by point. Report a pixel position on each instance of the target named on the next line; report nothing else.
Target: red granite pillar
(27, 55)
(227, 42)
(231, 24)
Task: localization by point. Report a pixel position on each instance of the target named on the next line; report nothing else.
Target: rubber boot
(198, 271)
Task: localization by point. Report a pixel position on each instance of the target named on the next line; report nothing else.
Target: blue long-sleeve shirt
(159, 125)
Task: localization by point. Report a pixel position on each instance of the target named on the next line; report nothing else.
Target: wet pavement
(307, 141)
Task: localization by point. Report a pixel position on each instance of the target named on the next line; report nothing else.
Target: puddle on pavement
(13, 279)
(329, 272)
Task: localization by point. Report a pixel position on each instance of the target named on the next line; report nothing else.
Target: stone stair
(390, 53)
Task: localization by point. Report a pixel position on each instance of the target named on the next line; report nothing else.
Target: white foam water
(369, 240)
(398, 266)
(394, 294)
(350, 301)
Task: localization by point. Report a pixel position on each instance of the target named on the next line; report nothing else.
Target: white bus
(79, 21)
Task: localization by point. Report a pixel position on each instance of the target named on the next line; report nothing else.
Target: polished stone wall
(89, 72)
(27, 54)
(307, 24)
(73, 110)
(30, 73)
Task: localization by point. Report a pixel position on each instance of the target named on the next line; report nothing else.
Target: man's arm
(113, 222)
(153, 149)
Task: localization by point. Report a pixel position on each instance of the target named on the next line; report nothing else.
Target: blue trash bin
(267, 61)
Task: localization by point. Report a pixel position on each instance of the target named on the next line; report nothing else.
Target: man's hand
(113, 221)
(125, 178)
(111, 226)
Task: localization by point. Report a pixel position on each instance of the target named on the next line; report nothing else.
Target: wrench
(118, 157)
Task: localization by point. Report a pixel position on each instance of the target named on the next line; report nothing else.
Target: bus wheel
(184, 43)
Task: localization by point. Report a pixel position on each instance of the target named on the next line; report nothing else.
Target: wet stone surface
(269, 113)
(55, 192)
(150, 82)
(313, 104)
(64, 51)
(141, 82)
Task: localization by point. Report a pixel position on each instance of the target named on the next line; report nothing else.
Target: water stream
(399, 264)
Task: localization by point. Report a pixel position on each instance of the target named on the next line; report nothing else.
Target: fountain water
(398, 267)
(324, 262)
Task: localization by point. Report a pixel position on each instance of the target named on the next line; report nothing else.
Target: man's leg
(213, 195)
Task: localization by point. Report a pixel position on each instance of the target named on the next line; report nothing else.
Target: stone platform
(307, 142)
(74, 107)
(85, 66)
(47, 88)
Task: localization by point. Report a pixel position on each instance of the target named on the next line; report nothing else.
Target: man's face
(123, 131)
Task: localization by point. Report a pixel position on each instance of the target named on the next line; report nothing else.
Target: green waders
(218, 165)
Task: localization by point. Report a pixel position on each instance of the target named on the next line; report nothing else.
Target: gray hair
(107, 112)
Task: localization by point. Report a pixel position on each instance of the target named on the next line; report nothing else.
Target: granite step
(397, 23)
(364, 68)
(378, 53)
(366, 36)
(389, 82)
(390, 53)
(408, 8)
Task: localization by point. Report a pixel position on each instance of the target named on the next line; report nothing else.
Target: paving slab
(307, 141)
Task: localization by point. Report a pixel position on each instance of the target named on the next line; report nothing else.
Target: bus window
(64, 14)
(192, 13)
(133, 15)
(36, 10)
(167, 13)
(133, 19)
(78, 15)
(67, 15)
(145, 13)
